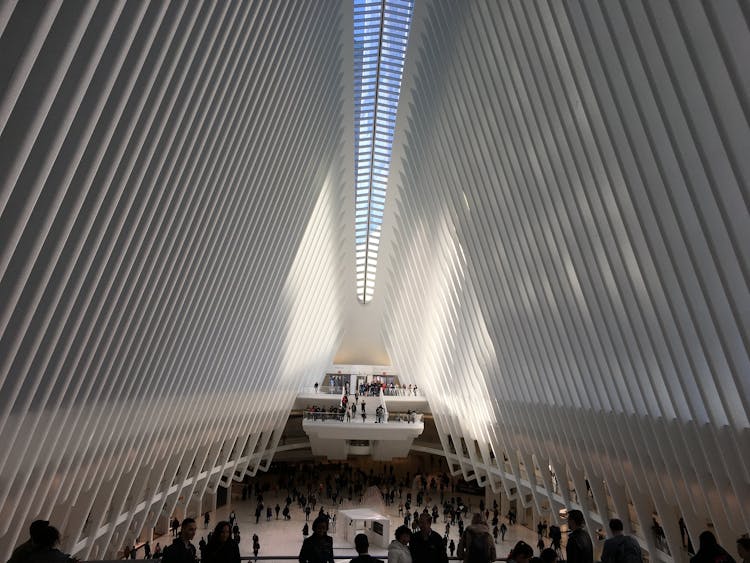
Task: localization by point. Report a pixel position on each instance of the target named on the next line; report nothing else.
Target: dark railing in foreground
(272, 558)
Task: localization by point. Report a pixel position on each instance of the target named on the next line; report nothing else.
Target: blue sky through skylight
(381, 31)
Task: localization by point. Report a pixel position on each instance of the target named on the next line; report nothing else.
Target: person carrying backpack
(476, 544)
(621, 548)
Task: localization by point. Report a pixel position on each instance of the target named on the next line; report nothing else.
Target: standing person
(709, 550)
(318, 548)
(147, 550)
(426, 545)
(44, 548)
(206, 519)
(476, 544)
(549, 555)
(256, 545)
(503, 531)
(362, 545)
(579, 548)
(621, 548)
(277, 509)
(221, 547)
(743, 550)
(452, 547)
(398, 550)
(555, 536)
(36, 531)
(181, 550)
(202, 546)
(521, 553)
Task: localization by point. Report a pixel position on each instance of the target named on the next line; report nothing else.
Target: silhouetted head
(37, 528)
(361, 543)
(575, 519)
(48, 537)
(403, 534)
(188, 529)
(222, 532)
(320, 526)
(707, 540)
(522, 552)
(478, 518)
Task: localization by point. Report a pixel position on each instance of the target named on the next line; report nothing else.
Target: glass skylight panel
(381, 32)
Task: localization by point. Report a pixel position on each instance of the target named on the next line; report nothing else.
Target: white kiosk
(376, 526)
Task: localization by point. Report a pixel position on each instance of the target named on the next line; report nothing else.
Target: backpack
(628, 551)
(478, 549)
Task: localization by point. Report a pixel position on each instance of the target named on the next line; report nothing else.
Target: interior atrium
(526, 215)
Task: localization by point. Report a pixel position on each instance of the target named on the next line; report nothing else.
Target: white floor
(279, 537)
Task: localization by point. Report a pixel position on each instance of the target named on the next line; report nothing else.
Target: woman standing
(221, 547)
(398, 550)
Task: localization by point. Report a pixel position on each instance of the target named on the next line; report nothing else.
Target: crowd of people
(372, 389)
(348, 411)
(421, 500)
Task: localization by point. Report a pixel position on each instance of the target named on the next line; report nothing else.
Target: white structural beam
(172, 180)
(568, 266)
(564, 258)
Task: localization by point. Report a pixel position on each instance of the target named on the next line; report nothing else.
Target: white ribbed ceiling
(564, 270)
(173, 180)
(569, 258)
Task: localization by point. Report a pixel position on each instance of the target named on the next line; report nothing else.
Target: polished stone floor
(279, 537)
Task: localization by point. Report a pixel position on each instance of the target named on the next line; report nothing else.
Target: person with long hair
(221, 547)
(710, 551)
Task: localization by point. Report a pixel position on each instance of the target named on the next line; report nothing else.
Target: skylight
(381, 31)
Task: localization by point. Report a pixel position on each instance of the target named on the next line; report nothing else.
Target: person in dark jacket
(45, 549)
(621, 548)
(579, 549)
(36, 531)
(709, 550)
(318, 548)
(362, 545)
(181, 550)
(427, 546)
(221, 547)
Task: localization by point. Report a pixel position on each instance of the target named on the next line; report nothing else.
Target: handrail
(410, 417)
(273, 558)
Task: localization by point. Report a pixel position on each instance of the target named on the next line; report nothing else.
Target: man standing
(181, 550)
(318, 548)
(36, 532)
(579, 548)
(427, 546)
(362, 545)
(621, 548)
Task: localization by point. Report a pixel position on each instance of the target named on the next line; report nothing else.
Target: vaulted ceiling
(563, 263)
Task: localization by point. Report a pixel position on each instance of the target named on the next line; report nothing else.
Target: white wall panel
(564, 253)
(171, 250)
(569, 245)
